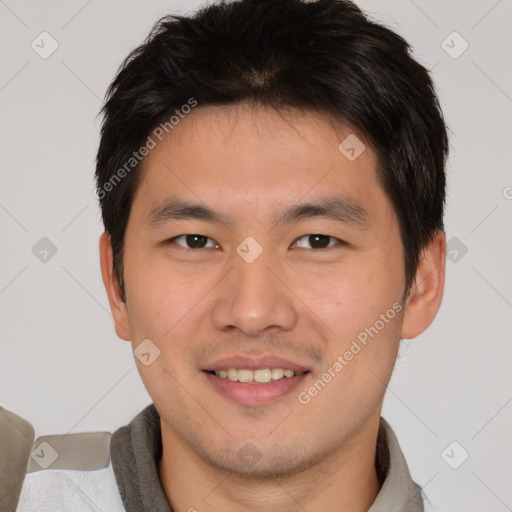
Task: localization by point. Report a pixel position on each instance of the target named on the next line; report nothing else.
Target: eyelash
(331, 238)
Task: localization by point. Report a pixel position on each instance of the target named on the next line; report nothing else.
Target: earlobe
(117, 305)
(426, 293)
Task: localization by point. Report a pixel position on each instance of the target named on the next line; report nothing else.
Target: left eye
(194, 241)
(316, 241)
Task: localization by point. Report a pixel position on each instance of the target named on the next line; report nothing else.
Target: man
(271, 179)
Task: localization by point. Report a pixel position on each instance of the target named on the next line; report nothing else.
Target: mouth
(255, 381)
(259, 376)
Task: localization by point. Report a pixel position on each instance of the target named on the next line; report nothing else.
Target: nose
(255, 299)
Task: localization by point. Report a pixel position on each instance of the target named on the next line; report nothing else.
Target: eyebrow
(338, 208)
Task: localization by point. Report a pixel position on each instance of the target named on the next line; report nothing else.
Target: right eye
(193, 241)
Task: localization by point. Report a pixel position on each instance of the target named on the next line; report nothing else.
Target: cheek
(160, 297)
(346, 299)
(349, 302)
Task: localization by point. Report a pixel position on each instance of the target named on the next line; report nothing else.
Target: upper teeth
(263, 375)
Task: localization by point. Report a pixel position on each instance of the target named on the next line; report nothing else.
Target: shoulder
(62, 490)
(16, 439)
(70, 472)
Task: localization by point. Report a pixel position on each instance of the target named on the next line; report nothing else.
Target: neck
(345, 480)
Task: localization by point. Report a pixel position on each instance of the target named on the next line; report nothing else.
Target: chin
(250, 462)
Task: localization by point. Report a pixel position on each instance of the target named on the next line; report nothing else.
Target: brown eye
(319, 241)
(193, 241)
(196, 241)
(316, 241)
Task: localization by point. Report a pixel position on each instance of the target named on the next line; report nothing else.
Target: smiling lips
(255, 376)
(255, 381)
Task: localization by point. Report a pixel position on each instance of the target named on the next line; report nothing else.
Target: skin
(296, 302)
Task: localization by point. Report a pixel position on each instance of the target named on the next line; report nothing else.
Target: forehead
(257, 159)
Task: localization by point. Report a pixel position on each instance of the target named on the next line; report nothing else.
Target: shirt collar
(136, 449)
(398, 492)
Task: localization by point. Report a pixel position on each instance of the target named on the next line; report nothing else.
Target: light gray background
(61, 365)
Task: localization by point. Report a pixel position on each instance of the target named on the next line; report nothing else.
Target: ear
(426, 292)
(117, 305)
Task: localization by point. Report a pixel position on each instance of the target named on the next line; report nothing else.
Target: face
(255, 248)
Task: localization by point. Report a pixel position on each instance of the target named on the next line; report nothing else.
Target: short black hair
(325, 56)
